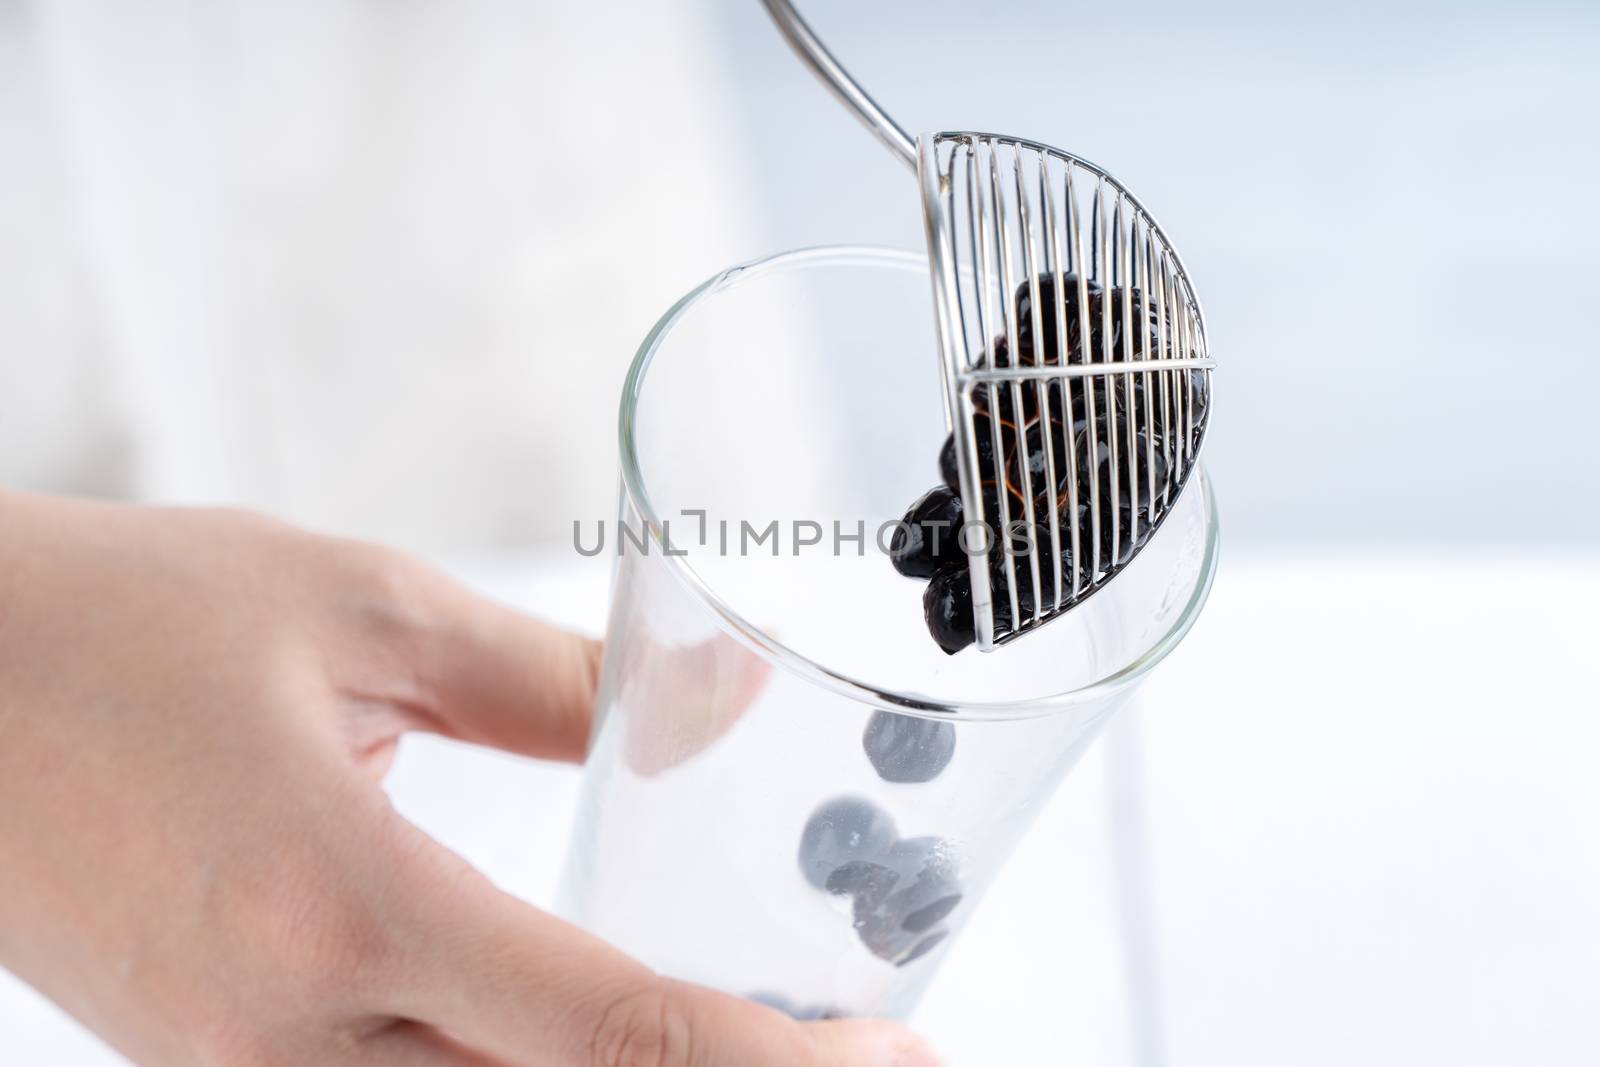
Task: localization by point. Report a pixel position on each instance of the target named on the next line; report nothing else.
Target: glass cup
(792, 794)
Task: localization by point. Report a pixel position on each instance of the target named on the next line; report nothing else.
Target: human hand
(196, 860)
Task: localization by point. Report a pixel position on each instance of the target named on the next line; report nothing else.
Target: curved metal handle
(836, 78)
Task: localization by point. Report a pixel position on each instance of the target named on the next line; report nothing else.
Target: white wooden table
(1355, 819)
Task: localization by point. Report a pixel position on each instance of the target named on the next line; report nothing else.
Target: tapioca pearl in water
(862, 879)
(880, 931)
(917, 857)
(928, 915)
(840, 831)
(906, 749)
(928, 887)
(923, 947)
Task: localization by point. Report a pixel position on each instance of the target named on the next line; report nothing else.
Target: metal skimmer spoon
(1096, 424)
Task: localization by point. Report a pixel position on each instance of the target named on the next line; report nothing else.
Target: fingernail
(882, 1044)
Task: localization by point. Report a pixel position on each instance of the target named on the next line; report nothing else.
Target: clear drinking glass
(744, 672)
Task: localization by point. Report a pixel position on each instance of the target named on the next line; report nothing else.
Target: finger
(681, 1025)
(697, 693)
(494, 676)
(497, 677)
(409, 1044)
(530, 989)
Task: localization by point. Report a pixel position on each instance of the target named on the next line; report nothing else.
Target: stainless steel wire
(1004, 217)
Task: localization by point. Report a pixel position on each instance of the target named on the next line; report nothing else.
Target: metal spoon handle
(837, 79)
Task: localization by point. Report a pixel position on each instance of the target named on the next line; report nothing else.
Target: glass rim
(781, 655)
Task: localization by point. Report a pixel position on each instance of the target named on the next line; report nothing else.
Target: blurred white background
(375, 266)
(1388, 208)
(379, 268)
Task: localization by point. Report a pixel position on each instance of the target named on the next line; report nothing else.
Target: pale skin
(196, 859)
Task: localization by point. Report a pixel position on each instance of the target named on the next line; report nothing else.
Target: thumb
(672, 1024)
(528, 988)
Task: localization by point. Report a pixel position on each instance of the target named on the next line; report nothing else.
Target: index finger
(495, 676)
